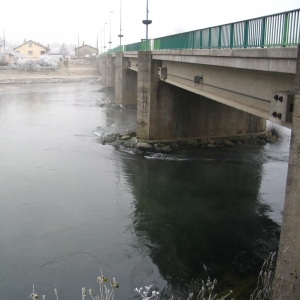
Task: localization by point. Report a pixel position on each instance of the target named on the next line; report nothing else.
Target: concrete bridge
(174, 89)
(247, 68)
(217, 82)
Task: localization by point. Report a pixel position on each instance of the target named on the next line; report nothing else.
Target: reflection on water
(203, 217)
(70, 205)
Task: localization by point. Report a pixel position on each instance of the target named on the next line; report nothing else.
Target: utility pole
(110, 30)
(147, 21)
(4, 40)
(104, 46)
(120, 34)
(101, 44)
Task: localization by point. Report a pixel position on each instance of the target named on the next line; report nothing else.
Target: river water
(70, 205)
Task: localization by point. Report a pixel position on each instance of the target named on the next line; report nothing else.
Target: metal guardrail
(279, 30)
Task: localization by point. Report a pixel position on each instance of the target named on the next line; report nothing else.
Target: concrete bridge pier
(167, 112)
(107, 70)
(287, 277)
(102, 68)
(110, 71)
(125, 82)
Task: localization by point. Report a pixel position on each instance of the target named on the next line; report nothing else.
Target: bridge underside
(174, 113)
(167, 112)
(188, 94)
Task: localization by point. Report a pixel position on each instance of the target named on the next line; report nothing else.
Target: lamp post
(101, 46)
(104, 46)
(110, 29)
(4, 40)
(147, 21)
(120, 34)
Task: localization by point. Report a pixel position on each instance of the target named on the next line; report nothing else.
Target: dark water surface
(69, 205)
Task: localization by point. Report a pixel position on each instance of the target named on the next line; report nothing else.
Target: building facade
(32, 49)
(86, 51)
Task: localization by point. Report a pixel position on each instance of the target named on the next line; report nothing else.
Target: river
(70, 205)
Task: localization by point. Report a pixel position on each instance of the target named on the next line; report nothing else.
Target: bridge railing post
(201, 46)
(285, 29)
(220, 37)
(263, 32)
(231, 35)
(246, 31)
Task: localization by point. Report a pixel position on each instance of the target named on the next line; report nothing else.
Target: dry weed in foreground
(264, 288)
(104, 292)
(263, 291)
(146, 293)
(206, 292)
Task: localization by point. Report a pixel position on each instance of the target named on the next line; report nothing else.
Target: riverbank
(46, 79)
(75, 72)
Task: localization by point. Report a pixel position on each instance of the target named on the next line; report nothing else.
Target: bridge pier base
(166, 112)
(125, 82)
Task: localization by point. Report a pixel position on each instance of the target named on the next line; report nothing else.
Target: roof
(86, 46)
(30, 41)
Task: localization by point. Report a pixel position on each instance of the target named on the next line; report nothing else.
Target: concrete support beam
(247, 90)
(125, 82)
(287, 277)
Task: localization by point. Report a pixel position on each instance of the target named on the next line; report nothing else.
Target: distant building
(86, 51)
(32, 49)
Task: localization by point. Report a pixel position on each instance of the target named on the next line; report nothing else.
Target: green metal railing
(279, 30)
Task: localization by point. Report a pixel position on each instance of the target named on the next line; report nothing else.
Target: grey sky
(65, 21)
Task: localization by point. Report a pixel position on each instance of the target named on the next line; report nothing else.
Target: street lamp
(104, 46)
(120, 35)
(101, 48)
(110, 29)
(147, 22)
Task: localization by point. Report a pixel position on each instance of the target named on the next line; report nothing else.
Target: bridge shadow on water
(202, 217)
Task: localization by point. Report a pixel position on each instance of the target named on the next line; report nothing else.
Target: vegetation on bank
(263, 290)
(45, 62)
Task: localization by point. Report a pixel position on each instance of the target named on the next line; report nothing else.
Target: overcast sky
(64, 21)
